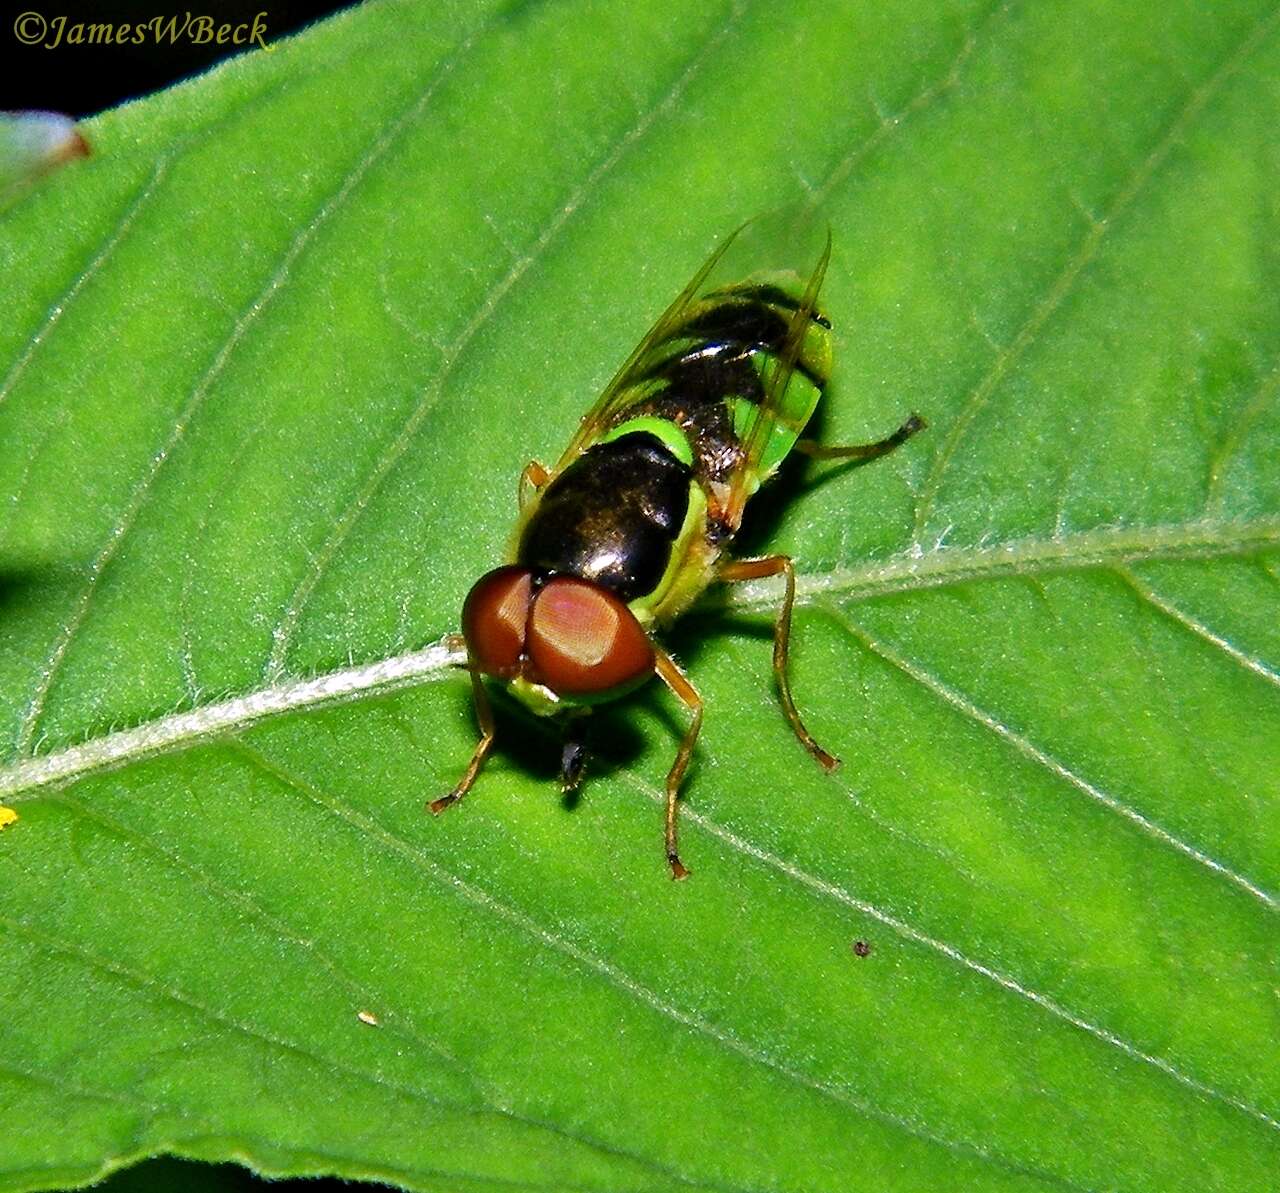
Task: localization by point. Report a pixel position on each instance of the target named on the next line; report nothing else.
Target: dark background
(81, 80)
(167, 1175)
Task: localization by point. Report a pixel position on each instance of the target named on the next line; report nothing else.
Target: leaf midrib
(1101, 547)
(947, 566)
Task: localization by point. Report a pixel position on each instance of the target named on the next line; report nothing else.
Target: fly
(633, 523)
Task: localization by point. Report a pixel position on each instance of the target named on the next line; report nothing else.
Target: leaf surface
(270, 366)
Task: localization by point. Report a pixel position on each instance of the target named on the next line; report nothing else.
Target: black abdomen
(612, 516)
(721, 350)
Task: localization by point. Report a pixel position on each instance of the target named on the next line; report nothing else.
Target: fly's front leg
(862, 451)
(484, 715)
(532, 479)
(755, 569)
(687, 694)
(573, 757)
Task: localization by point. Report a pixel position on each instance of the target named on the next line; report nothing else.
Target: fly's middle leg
(755, 569)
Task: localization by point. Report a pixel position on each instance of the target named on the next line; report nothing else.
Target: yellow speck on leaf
(7, 816)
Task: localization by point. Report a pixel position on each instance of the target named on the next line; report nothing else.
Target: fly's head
(555, 640)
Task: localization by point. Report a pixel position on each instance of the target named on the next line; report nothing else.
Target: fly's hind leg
(532, 479)
(755, 569)
(862, 451)
(484, 715)
(687, 694)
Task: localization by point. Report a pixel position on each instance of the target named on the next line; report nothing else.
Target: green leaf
(271, 363)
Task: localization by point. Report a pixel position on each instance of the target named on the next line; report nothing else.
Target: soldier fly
(632, 524)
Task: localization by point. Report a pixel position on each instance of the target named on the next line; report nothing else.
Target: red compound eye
(583, 641)
(494, 617)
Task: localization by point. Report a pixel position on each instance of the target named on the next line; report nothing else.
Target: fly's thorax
(630, 514)
(672, 437)
(613, 516)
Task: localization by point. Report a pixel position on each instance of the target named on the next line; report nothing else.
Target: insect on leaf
(271, 362)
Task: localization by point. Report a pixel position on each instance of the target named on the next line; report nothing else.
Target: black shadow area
(77, 57)
(166, 1174)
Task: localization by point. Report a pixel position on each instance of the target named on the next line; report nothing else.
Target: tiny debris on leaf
(32, 144)
(861, 948)
(368, 1017)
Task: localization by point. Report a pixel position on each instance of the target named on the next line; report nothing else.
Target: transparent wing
(618, 393)
(745, 476)
(791, 246)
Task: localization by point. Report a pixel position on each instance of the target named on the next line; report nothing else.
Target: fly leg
(484, 714)
(574, 756)
(771, 565)
(687, 694)
(532, 479)
(862, 451)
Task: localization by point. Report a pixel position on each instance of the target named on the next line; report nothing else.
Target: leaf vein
(1064, 283)
(171, 993)
(245, 905)
(922, 100)
(60, 1085)
(246, 320)
(399, 1023)
(1235, 438)
(1196, 628)
(619, 979)
(907, 931)
(108, 246)
(1028, 749)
